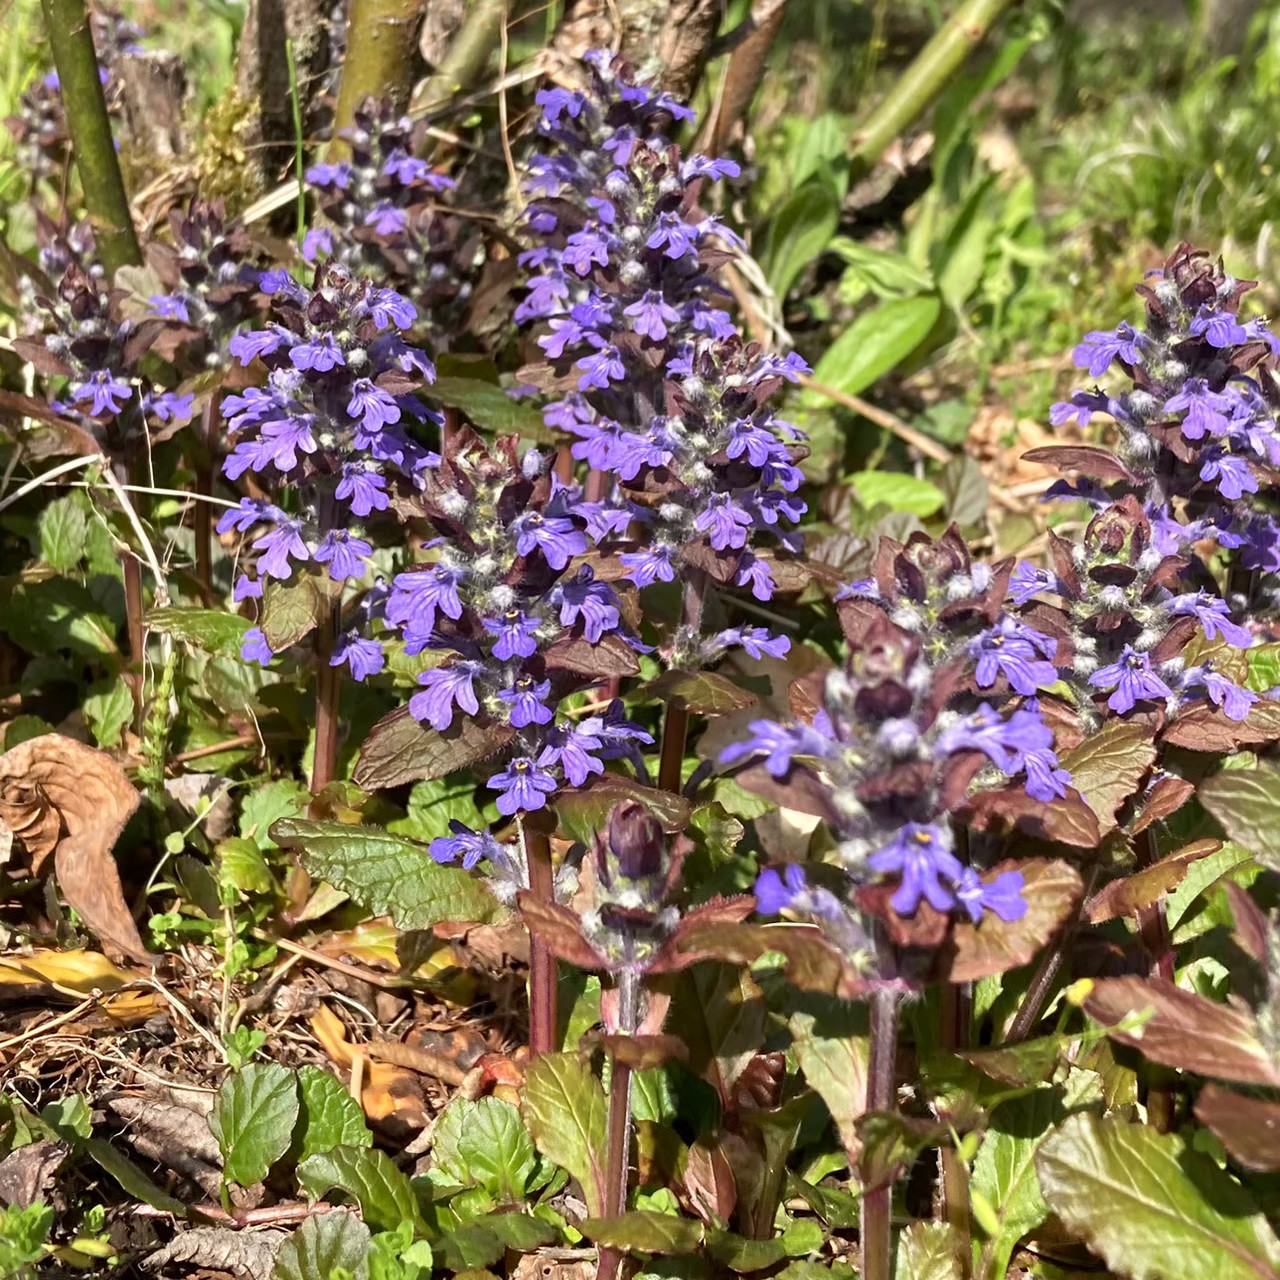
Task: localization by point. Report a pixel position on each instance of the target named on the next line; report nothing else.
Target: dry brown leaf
(73, 801)
(45, 974)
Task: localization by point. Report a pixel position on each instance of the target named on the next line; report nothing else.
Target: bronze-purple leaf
(1089, 460)
(1129, 895)
(1248, 1127)
(705, 693)
(1108, 767)
(400, 749)
(1185, 1030)
(561, 930)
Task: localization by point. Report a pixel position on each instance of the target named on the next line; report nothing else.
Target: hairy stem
(1153, 927)
(204, 489)
(675, 725)
(380, 59)
(467, 57)
(955, 1033)
(876, 1235)
(542, 964)
(618, 1154)
(105, 199)
(923, 80)
(324, 765)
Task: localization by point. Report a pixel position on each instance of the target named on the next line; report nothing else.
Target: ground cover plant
(543, 735)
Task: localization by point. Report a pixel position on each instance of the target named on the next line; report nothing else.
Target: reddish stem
(675, 726)
(1153, 927)
(324, 764)
(876, 1229)
(542, 964)
(618, 1152)
(204, 510)
(954, 1034)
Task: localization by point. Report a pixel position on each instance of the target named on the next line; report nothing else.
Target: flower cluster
(331, 427)
(515, 631)
(384, 218)
(40, 127)
(1196, 434)
(89, 340)
(669, 407)
(1134, 629)
(210, 281)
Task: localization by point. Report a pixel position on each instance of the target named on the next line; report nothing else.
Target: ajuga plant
(383, 218)
(691, 473)
(327, 434)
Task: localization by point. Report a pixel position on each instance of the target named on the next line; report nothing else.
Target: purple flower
(419, 594)
(556, 537)
(779, 744)
(726, 523)
(1218, 328)
(390, 310)
(365, 490)
(255, 342)
(317, 241)
(1003, 895)
(515, 634)
(374, 407)
(675, 237)
(756, 574)
(329, 175)
(521, 785)
(1132, 680)
(921, 855)
(584, 248)
(1213, 615)
(108, 393)
(254, 647)
(1045, 780)
(246, 588)
(470, 845)
(170, 307)
(1028, 581)
(757, 641)
(344, 554)
(593, 603)
(169, 406)
(571, 748)
(1203, 408)
(1234, 476)
(652, 316)
(1017, 652)
(602, 367)
(527, 700)
(775, 893)
(279, 546)
(442, 689)
(1100, 348)
(1003, 742)
(362, 656)
(1234, 701)
(320, 355)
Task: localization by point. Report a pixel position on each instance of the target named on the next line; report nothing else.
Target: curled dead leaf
(72, 801)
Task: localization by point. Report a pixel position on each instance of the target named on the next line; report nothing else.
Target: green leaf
(108, 707)
(58, 614)
(1151, 1208)
(253, 1118)
(135, 1183)
(328, 1116)
(1247, 803)
(433, 805)
(898, 492)
(832, 1047)
(583, 811)
(482, 1242)
(497, 1150)
(1264, 667)
(62, 530)
(798, 233)
(388, 875)
(291, 610)
(383, 1193)
(705, 693)
(22, 1236)
(565, 1111)
(644, 1231)
(214, 630)
(264, 805)
(395, 1255)
(243, 867)
(876, 342)
(930, 1251)
(1108, 766)
(490, 408)
(887, 274)
(1004, 1176)
(324, 1242)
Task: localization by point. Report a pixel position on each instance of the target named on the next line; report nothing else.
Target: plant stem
(876, 1236)
(955, 1033)
(379, 61)
(536, 842)
(324, 764)
(923, 80)
(1153, 926)
(467, 57)
(105, 199)
(618, 1154)
(675, 725)
(204, 489)
(743, 76)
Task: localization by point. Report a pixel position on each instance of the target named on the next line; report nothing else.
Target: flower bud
(636, 841)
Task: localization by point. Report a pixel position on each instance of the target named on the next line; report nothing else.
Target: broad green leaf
(324, 1242)
(720, 1012)
(799, 232)
(967, 492)
(1203, 874)
(58, 614)
(1108, 766)
(497, 1149)
(328, 1116)
(387, 875)
(1264, 667)
(876, 342)
(263, 805)
(832, 1048)
(564, 1108)
(447, 1165)
(62, 531)
(482, 1242)
(887, 274)
(840, 1210)
(395, 1255)
(705, 693)
(490, 408)
(243, 866)
(291, 610)
(584, 811)
(644, 1231)
(898, 492)
(432, 805)
(253, 1118)
(930, 1251)
(135, 1183)
(22, 1236)
(369, 1177)
(108, 707)
(213, 630)
(1004, 1176)
(1152, 1208)
(1247, 803)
